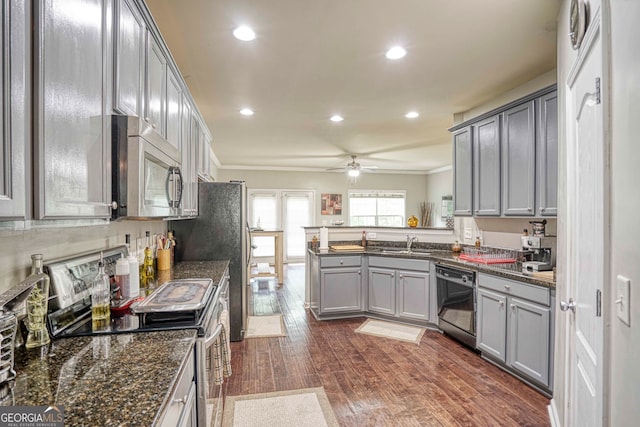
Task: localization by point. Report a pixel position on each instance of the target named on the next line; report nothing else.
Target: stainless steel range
(195, 303)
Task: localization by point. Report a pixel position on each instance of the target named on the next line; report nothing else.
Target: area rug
(392, 330)
(307, 407)
(265, 327)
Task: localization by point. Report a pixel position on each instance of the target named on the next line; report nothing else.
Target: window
(382, 208)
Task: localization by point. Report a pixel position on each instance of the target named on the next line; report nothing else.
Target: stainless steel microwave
(146, 180)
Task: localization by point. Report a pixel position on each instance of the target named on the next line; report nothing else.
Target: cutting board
(346, 248)
(544, 275)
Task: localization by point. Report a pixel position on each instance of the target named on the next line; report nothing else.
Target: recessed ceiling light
(336, 118)
(244, 33)
(246, 112)
(396, 52)
(412, 115)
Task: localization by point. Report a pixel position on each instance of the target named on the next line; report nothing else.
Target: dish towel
(222, 350)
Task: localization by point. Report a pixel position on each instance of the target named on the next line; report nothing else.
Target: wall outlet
(371, 235)
(468, 234)
(623, 300)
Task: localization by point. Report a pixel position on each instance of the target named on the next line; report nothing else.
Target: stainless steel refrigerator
(220, 232)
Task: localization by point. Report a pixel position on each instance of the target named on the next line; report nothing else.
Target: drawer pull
(341, 262)
(507, 287)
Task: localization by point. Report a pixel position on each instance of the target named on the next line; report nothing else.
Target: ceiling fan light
(396, 52)
(244, 33)
(353, 172)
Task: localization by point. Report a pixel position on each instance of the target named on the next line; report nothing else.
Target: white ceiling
(312, 59)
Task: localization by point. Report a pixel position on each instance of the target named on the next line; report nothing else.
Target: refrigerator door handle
(249, 246)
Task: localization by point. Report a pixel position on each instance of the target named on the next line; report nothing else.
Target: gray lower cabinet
(462, 172)
(129, 33)
(486, 167)
(340, 284)
(413, 294)
(514, 326)
(72, 156)
(399, 287)
(547, 154)
(382, 291)
(519, 160)
(15, 154)
(181, 407)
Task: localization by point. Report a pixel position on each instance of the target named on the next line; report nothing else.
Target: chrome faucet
(410, 241)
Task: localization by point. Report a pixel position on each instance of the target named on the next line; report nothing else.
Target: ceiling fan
(353, 168)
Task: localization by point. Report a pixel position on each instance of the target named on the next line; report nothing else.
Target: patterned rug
(396, 331)
(265, 327)
(307, 407)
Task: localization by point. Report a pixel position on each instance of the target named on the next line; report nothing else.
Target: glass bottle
(148, 274)
(172, 245)
(101, 300)
(37, 304)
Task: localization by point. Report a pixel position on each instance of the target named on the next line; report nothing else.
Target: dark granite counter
(195, 270)
(112, 380)
(109, 380)
(441, 254)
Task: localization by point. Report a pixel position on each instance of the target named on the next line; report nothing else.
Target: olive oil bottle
(101, 300)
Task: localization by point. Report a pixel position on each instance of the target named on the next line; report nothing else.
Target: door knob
(571, 305)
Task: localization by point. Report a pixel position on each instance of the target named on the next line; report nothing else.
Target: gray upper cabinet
(15, 157)
(71, 150)
(486, 167)
(463, 172)
(129, 59)
(189, 176)
(174, 110)
(547, 154)
(156, 86)
(518, 160)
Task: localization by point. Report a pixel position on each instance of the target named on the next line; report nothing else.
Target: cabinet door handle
(529, 209)
(400, 276)
(359, 271)
(542, 210)
(341, 262)
(501, 303)
(513, 307)
(507, 287)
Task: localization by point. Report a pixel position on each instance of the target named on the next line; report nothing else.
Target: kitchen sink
(393, 251)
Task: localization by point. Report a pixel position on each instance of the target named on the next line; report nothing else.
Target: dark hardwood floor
(373, 381)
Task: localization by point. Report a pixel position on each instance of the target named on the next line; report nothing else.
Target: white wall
(624, 384)
(328, 182)
(63, 241)
(542, 81)
(439, 184)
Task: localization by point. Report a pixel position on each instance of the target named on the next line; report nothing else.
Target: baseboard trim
(554, 419)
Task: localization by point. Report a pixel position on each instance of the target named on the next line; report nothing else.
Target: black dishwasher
(457, 303)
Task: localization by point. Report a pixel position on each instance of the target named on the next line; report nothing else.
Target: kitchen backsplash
(498, 232)
(62, 241)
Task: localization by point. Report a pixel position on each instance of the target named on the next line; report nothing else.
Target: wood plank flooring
(372, 381)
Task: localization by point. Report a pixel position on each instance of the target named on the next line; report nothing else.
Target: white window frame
(378, 194)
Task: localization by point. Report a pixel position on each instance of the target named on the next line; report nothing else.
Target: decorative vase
(412, 221)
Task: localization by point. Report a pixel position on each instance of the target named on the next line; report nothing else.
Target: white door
(588, 232)
(297, 212)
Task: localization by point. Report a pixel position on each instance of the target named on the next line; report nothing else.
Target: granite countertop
(109, 380)
(118, 379)
(194, 270)
(441, 253)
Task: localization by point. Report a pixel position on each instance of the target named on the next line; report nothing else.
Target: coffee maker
(538, 255)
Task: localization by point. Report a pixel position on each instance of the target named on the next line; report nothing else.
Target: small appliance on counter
(538, 258)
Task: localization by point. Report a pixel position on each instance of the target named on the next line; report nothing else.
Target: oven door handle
(208, 342)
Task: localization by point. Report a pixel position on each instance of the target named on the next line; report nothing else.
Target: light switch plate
(622, 299)
(467, 233)
(371, 235)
